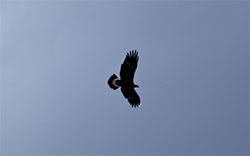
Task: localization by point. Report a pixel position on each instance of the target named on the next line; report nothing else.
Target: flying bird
(126, 81)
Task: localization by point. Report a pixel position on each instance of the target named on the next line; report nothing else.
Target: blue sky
(193, 75)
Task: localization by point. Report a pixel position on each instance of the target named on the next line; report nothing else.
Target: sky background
(193, 73)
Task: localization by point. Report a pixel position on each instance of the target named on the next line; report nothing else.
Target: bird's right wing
(129, 66)
(131, 95)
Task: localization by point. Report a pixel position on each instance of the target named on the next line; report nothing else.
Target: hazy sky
(56, 58)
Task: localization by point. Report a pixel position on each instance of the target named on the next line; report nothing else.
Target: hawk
(126, 81)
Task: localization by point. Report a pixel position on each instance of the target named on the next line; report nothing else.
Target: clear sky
(56, 58)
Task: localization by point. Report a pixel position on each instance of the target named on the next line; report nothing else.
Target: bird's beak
(136, 86)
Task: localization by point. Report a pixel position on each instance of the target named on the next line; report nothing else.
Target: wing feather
(129, 66)
(131, 95)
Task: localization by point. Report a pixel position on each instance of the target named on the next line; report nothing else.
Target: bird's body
(126, 82)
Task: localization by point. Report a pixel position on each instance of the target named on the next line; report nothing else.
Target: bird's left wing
(131, 95)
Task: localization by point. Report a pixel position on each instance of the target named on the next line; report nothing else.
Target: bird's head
(136, 86)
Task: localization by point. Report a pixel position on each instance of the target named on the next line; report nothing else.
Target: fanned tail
(114, 82)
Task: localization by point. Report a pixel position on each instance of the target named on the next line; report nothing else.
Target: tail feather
(113, 82)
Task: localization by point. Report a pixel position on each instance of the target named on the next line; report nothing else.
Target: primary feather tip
(133, 54)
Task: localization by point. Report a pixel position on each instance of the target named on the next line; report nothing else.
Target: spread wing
(131, 95)
(129, 66)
